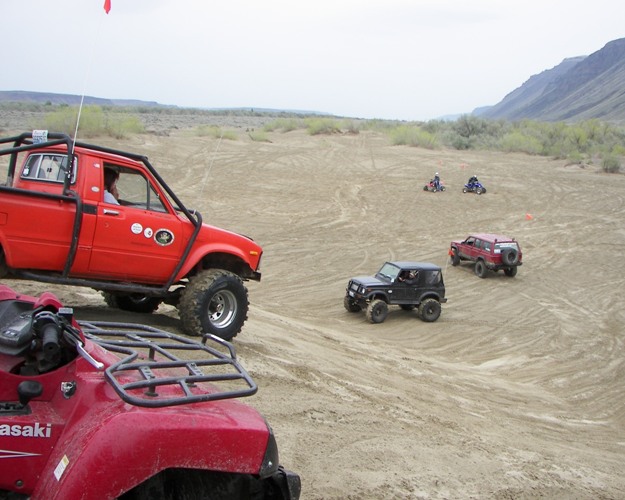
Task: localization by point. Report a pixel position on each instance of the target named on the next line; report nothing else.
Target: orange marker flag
(107, 6)
(529, 216)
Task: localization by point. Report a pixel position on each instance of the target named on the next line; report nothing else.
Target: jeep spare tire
(509, 256)
(215, 301)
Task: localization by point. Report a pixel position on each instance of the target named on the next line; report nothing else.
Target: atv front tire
(215, 301)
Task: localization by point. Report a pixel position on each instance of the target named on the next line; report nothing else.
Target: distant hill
(69, 99)
(579, 88)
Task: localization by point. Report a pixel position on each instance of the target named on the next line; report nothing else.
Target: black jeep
(404, 283)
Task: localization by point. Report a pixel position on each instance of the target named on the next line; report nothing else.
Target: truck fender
(198, 254)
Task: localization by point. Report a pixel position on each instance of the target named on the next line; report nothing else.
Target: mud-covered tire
(480, 269)
(350, 305)
(426, 188)
(429, 310)
(215, 301)
(509, 256)
(133, 302)
(510, 271)
(455, 258)
(377, 311)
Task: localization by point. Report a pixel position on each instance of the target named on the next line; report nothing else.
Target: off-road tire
(510, 271)
(455, 258)
(426, 188)
(478, 191)
(510, 256)
(429, 310)
(133, 302)
(480, 269)
(350, 305)
(465, 190)
(196, 484)
(215, 301)
(377, 311)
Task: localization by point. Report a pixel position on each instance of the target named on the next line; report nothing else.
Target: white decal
(17, 454)
(136, 228)
(40, 136)
(148, 232)
(60, 469)
(36, 431)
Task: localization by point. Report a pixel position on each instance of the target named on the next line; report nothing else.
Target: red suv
(489, 252)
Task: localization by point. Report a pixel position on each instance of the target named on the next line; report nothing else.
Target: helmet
(436, 173)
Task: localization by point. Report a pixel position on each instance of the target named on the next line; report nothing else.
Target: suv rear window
(508, 244)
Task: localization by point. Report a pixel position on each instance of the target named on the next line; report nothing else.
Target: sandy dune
(517, 391)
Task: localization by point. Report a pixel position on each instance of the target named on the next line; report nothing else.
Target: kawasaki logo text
(37, 430)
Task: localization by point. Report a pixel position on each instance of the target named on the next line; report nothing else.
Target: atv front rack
(164, 369)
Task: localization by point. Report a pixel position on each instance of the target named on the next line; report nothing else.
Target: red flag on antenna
(107, 6)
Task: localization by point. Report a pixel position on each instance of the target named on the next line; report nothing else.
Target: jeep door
(139, 240)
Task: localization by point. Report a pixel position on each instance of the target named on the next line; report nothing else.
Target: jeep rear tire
(480, 269)
(377, 311)
(215, 301)
(510, 271)
(509, 256)
(429, 310)
(133, 302)
(350, 305)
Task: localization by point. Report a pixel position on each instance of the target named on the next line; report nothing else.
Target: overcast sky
(389, 59)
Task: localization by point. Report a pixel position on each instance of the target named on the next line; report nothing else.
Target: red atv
(102, 410)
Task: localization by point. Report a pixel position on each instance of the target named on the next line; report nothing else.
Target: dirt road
(517, 391)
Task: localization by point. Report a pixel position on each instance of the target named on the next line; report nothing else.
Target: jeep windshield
(388, 271)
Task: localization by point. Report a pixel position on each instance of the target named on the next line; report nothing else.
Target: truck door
(140, 239)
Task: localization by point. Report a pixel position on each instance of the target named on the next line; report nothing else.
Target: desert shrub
(316, 126)
(93, 122)
(259, 136)
(350, 126)
(412, 135)
(611, 164)
(216, 132)
(519, 142)
(284, 124)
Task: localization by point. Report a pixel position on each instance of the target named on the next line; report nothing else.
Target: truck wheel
(429, 310)
(510, 271)
(350, 305)
(377, 311)
(455, 258)
(215, 301)
(4, 270)
(480, 269)
(133, 302)
(509, 256)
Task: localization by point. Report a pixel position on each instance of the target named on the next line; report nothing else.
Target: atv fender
(104, 453)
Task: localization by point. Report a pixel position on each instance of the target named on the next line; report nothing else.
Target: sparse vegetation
(94, 121)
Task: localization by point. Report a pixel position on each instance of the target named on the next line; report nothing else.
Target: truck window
(432, 277)
(135, 190)
(46, 167)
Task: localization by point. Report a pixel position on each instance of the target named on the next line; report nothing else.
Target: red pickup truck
(140, 250)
